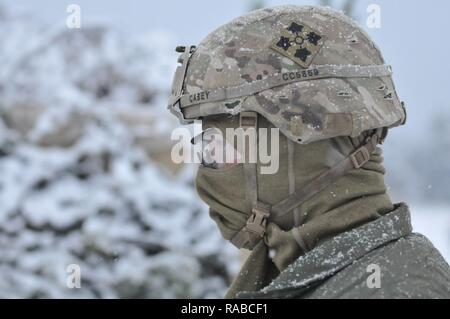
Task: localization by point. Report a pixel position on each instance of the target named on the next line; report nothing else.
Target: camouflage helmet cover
(311, 71)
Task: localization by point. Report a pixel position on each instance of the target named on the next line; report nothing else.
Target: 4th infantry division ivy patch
(299, 43)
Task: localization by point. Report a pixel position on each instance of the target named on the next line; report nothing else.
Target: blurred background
(85, 170)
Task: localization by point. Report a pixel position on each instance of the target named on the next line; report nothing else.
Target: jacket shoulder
(410, 267)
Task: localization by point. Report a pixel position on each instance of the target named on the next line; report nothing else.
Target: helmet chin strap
(353, 161)
(249, 120)
(255, 228)
(291, 180)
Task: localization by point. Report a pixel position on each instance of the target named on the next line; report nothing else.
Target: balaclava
(356, 198)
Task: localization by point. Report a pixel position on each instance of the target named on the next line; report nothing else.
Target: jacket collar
(335, 254)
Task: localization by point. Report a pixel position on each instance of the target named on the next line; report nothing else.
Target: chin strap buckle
(256, 224)
(252, 233)
(360, 157)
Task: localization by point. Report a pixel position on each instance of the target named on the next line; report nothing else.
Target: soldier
(323, 225)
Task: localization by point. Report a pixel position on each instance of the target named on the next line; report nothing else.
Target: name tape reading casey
(284, 77)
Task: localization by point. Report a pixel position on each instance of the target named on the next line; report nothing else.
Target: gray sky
(413, 36)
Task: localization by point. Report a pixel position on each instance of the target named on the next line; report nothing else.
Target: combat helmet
(311, 71)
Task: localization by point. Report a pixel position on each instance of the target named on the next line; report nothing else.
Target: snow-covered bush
(82, 122)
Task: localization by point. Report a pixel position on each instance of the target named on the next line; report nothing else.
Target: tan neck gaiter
(355, 199)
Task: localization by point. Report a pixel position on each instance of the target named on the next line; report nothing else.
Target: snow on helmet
(311, 71)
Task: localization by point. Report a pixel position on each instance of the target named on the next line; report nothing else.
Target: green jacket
(382, 259)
